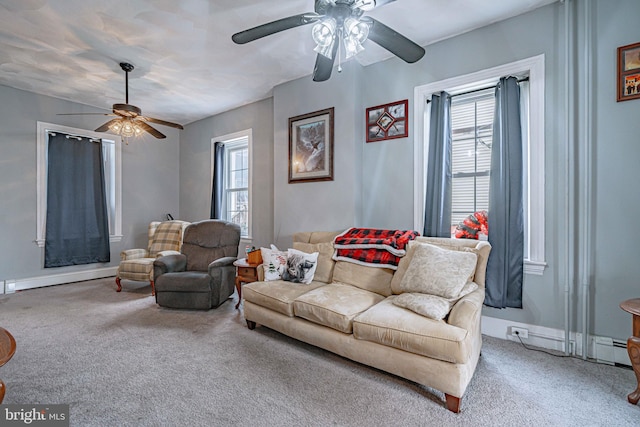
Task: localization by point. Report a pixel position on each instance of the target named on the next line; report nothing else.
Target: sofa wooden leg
(453, 403)
(251, 325)
(153, 288)
(118, 284)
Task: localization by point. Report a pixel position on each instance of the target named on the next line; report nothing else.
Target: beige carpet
(120, 360)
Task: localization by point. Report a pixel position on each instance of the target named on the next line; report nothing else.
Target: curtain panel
(77, 225)
(505, 267)
(437, 218)
(217, 187)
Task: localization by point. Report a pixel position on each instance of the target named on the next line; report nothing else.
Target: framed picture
(629, 72)
(388, 121)
(311, 147)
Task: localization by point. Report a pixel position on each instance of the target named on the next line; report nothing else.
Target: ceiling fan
(336, 21)
(129, 121)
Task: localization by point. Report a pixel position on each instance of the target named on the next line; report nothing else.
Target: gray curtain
(506, 228)
(218, 181)
(437, 210)
(77, 227)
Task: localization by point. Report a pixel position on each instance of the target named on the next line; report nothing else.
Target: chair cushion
(277, 295)
(393, 326)
(208, 240)
(140, 269)
(167, 237)
(335, 305)
(184, 281)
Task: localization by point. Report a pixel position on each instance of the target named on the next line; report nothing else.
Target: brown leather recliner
(202, 276)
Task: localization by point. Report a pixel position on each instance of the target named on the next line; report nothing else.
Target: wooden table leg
(239, 289)
(633, 347)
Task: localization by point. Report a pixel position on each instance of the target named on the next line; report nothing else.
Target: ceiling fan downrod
(127, 68)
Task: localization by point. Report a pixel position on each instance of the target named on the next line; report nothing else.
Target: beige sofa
(348, 309)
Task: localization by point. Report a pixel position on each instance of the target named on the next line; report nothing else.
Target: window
(472, 132)
(469, 173)
(112, 170)
(236, 205)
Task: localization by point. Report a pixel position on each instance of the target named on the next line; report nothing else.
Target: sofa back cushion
(371, 279)
(325, 264)
(208, 240)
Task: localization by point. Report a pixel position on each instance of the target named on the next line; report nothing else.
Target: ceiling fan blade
(264, 30)
(161, 122)
(105, 127)
(150, 129)
(324, 65)
(367, 3)
(393, 41)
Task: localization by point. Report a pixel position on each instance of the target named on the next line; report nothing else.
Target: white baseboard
(13, 285)
(604, 349)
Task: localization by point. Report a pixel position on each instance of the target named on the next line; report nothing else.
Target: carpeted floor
(120, 360)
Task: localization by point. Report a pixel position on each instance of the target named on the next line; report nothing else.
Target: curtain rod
(78, 137)
(524, 79)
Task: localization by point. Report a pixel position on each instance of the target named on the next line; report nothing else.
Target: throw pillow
(324, 271)
(438, 271)
(300, 266)
(431, 306)
(274, 263)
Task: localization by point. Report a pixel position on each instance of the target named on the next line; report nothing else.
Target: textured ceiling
(187, 67)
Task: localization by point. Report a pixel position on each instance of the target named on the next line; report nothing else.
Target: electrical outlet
(518, 332)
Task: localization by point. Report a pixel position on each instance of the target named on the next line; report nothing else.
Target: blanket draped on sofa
(373, 247)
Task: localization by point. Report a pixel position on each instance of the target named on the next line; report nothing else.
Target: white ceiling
(187, 67)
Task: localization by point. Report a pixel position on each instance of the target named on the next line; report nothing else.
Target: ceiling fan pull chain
(339, 40)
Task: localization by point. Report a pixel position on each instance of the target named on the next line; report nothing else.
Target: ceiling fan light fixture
(324, 31)
(126, 128)
(355, 29)
(351, 47)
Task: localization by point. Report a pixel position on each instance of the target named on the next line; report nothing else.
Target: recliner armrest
(129, 254)
(222, 262)
(169, 264)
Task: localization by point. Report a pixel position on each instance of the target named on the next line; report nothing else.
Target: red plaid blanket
(373, 247)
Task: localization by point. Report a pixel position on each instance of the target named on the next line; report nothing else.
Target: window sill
(534, 267)
(114, 238)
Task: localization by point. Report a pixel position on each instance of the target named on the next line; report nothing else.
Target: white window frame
(229, 140)
(115, 179)
(533, 68)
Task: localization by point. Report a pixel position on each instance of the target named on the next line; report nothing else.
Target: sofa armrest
(169, 264)
(129, 254)
(260, 271)
(466, 313)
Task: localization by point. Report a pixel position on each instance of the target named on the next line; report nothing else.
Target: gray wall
(195, 165)
(373, 183)
(149, 181)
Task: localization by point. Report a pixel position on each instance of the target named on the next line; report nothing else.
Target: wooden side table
(632, 306)
(245, 273)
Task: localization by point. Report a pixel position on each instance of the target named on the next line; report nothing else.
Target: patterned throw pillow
(300, 266)
(274, 262)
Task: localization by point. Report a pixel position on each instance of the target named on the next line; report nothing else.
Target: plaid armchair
(165, 238)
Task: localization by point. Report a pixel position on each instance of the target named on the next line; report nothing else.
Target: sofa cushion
(324, 269)
(277, 295)
(393, 326)
(438, 271)
(372, 279)
(335, 305)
